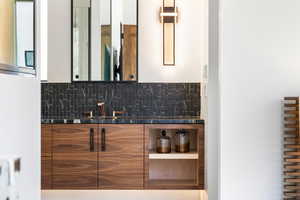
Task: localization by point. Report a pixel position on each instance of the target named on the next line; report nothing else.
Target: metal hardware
(89, 115)
(103, 135)
(17, 165)
(169, 15)
(115, 113)
(101, 106)
(92, 145)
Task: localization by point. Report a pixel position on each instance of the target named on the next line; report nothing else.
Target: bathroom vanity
(119, 154)
(108, 153)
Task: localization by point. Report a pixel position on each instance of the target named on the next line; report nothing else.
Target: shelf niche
(175, 170)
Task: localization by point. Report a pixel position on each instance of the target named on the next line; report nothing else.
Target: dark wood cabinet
(46, 159)
(75, 156)
(115, 156)
(46, 172)
(121, 157)
(74, 138)
(46, 141)
(75, 171)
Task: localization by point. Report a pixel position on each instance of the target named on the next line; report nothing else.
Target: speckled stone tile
(70, 101)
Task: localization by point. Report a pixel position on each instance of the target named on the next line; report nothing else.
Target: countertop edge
(123, 121)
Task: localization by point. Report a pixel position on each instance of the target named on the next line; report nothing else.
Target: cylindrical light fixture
(169, 17)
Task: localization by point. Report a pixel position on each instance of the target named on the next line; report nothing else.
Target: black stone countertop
(128, 120)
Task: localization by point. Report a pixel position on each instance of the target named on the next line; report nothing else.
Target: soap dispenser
(182, 141)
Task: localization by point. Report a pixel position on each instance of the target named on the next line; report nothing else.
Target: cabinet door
(75, 156)
(46, 159)
(46, 140)
(121, 157)
(46, 173)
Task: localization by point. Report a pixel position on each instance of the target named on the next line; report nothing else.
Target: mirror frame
(10, 69)
(137, 45)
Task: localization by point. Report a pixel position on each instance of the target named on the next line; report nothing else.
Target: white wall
(190, 42)
(20, 129)
(59, 40)
(20, 124)
(96, 38)
(259, 66)
(117, 14)
(105, 12)
(129, 12)
(213, 107)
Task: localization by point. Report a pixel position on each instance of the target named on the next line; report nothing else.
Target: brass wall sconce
(169, 17)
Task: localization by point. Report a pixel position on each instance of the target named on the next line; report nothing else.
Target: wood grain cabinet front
(46, 173)
(46, 159)
(46, 136)
(115, 156)
(75, 156)
(121, 157)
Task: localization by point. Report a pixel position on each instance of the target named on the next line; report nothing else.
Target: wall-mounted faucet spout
(101, 106)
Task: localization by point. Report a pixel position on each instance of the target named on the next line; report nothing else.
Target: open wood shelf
(172, 182)
(169, 182)
(174, 155)
(174, 170)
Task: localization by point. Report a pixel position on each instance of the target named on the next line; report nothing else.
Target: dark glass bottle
(163, 143)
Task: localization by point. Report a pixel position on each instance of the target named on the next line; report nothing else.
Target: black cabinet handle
(103, 135)
(92, 145)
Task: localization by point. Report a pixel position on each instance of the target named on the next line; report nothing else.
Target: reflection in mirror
(101, 40)
(124, 37)
(17, 35)
(104, 40)
(81, 39)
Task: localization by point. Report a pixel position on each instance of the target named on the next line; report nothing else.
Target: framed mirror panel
(17, 37)
(104, 40)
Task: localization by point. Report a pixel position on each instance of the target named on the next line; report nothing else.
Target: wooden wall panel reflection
(7, 23)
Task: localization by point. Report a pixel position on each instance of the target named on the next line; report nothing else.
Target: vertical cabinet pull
(92, 145)
(103, 135)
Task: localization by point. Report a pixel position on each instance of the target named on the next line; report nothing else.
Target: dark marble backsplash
(64, 100)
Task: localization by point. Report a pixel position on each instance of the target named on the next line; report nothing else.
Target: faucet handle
(89, 114)
(115, 113)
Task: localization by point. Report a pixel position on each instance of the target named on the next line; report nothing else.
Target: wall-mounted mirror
(17, 37)
(104, 40)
